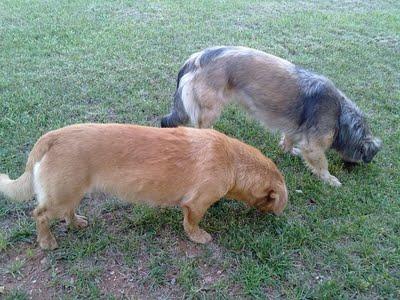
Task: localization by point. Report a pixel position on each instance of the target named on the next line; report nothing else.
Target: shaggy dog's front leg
(315, 158)
(287, 145)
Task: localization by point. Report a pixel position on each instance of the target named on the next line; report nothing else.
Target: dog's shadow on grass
(349, 167)
(117, 224)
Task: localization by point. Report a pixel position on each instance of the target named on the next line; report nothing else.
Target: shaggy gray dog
(306, 108)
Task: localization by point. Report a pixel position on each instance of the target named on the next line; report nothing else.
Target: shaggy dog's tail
(178, 115)
(21, 189)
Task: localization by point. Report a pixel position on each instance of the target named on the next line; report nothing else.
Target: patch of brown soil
(34, 277)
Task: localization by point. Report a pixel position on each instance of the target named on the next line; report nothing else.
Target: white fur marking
(191, 107)
(38, 188)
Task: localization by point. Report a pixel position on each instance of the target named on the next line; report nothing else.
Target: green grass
(66, 62)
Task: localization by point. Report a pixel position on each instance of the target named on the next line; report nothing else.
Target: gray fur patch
(178, 115)
(210, 54)
(318, 101)
(188, 67)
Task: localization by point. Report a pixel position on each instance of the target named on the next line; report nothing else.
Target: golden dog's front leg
(193, 211)
(315, 158)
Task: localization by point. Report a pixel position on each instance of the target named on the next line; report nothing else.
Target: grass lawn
(64, 62)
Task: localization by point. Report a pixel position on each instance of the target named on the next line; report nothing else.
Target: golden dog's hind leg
(58, 195)
(315, 158)
(45, 238)
(76, 221)
(70, 200)
(193, 211)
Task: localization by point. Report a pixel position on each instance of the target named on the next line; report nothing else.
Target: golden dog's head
(266, 193)
(256, 179)
(272, 200)
(269, 194)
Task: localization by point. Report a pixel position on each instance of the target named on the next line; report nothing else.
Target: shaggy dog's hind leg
(208, 117)
(209, 105)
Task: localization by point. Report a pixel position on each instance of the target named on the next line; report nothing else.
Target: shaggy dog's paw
(295, 151)
(332, 180)
(284, 146)
(4, 177)
(200, 236)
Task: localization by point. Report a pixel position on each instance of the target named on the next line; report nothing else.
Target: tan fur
(22, 188)
(259, 72)
(313, 152)
(183, 167)
(267, 87)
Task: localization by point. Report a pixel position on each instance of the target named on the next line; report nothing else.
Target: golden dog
(178, 166)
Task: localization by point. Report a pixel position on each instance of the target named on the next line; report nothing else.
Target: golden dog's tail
(21, 189)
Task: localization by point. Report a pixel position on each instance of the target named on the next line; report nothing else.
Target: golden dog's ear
(275, 203)
(272, 196)
(267, 203)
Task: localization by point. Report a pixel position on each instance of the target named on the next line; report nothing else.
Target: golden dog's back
(132, 161)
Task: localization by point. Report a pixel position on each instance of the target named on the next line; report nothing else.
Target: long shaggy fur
(305, 107)
(353, 139)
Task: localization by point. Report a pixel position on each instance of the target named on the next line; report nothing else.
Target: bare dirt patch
(33, 276)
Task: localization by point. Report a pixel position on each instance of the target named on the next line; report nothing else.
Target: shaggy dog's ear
(371, 147)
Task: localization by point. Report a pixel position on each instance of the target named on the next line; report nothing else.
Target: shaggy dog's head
(354, 140)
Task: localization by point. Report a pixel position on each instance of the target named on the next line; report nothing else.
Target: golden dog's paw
(80, 222)
(200, 236)
(48, 243)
